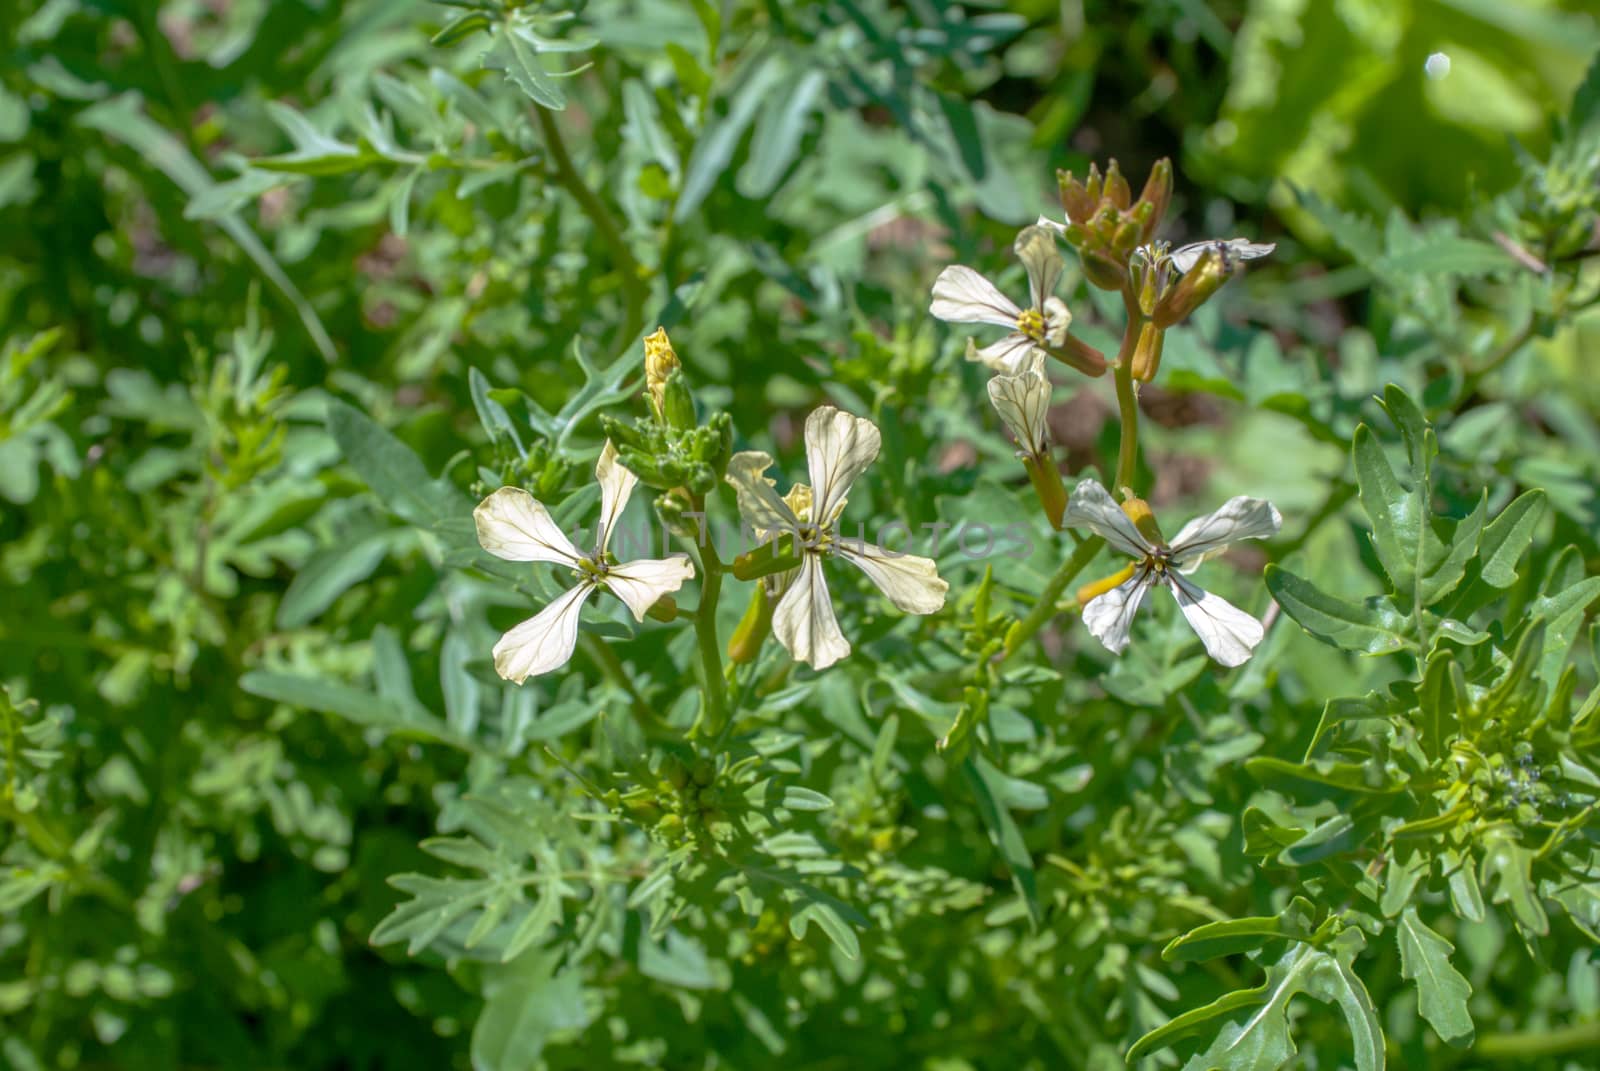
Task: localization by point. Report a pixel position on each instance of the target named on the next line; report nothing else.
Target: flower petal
(1186, 257)
(616, 484)
(838, 447)
(962, 296)
(1239, 518)
(544, 641)
(1041, 258)
(759, 503)
(804, 621)
(1023, 400)
(1051, 224)
(514, 525)
(1091, 506)
(1057, 318)
(1109, 617)
(1229, 634)
(1008, 356)
(912, 583)
(640, 583)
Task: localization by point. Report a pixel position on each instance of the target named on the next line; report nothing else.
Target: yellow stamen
(1090, 592)
(1030, 322)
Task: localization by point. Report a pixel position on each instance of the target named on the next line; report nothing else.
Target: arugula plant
(859, 727)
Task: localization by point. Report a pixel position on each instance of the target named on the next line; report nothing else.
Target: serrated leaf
(529, 1000)
(1446, 254)
(1508, 872)
(512, 54)
(1240, 935)
(1439, 705)
(1262, 1042)
(1371, 628)
(1442, 992)
(1401, 533)
(1506, 538)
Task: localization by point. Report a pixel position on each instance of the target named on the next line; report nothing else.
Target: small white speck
(1437, 66)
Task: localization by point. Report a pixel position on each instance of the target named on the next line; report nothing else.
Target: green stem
(612, 666)
(1045, 608)
(714, 686)
(634, 291)
(1127, 395)
(1579, 1037)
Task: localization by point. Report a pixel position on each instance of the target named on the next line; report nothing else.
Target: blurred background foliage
(240, 688)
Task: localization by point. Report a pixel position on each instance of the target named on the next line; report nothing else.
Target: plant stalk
(634, 291)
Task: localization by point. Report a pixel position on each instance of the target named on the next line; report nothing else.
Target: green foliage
(288, 289)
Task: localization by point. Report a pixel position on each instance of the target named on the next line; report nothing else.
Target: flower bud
(745, 643)
(1078, 354)
(1075, 199)
(1192, 291)
(671, 507)
(660, 361)
(663, 609)
(1157, 194)
(1147, 353)
(1103, 271)
(1138, 511)
(1117, 190)
(1126, 238)
(677, 405)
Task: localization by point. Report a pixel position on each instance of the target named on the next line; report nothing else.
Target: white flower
(962, 296)
(1023, 401)
(838, 448)
(1182, 259)
(513, 525)
(1229, 634)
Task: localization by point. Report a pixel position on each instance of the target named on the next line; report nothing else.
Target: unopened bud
(677, 406)
(745, 643)
(1078, 354)
(1103, 271)
(1157, 194)
(664, 609)
(1138, 511)
(1094, 185)
(1147, 354)
(1117, 190)
(660, 361)
(1075, 199)
(1193, 290)
(1125, 239)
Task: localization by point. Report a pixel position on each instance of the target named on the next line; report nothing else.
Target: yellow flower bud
(660, 361)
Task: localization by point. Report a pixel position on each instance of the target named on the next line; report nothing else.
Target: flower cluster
(686, 459)
(1114, 236)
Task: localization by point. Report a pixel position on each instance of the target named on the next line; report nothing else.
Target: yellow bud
(1147, 354)
(660, 361)
(1138, 511)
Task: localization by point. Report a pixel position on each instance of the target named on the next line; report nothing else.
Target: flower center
(813, 538)
(1030, 322)
(593, 568)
